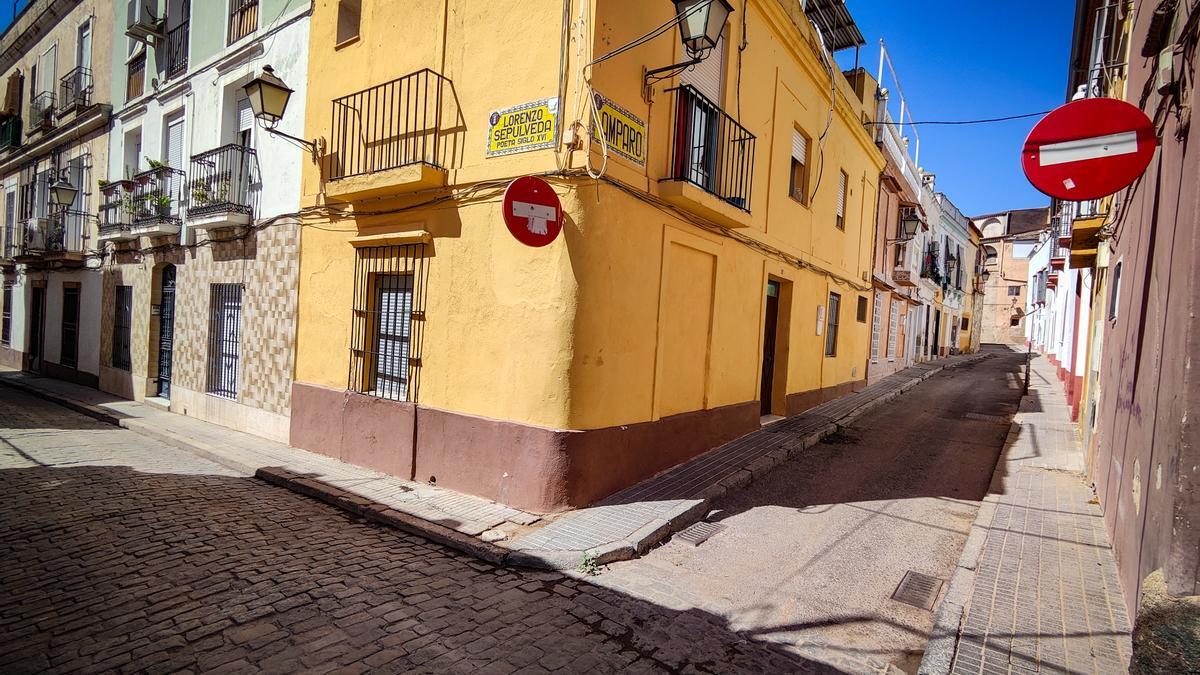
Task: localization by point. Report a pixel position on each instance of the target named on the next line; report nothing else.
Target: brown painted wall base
(801, 401)
(528, 467)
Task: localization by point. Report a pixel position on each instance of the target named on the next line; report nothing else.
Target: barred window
(122, 326)
(243, 19)
(6, 325)
(389, 309)
(831, 327)
(224, 339)
(69, 335)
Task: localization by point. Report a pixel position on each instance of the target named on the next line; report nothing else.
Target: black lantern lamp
(63, 192)
(269, 97)
(700, 26)
(701, 23)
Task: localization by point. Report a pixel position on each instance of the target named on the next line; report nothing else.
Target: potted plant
(162, 204)
(199, 194)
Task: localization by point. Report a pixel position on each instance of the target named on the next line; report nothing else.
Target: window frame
(1012, 288)
(69, 289)
(799, 183)
(6, 298)
(842, 200)
(340, 41)
(832, 321)
(1114, 297)
(219, 338)
(120, 356)
(234, 7)
(373, 266)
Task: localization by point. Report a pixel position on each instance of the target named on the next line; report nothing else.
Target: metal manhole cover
(918, 590)
(985, 418)
(699, 533)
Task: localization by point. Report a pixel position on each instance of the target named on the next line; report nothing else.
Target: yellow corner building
(712, 268)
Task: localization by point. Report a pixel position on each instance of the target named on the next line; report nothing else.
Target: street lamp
(269, 97)
(62, 192)
(700, 26)
(910, 223)
(701, 23)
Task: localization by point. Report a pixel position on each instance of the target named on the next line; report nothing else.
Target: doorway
(166, 330)
(937, 334)
(37, 328)
(770, 331)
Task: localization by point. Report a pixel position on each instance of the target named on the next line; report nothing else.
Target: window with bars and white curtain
(876, 323)
(224, 339)
(893, 329)
(843, 181)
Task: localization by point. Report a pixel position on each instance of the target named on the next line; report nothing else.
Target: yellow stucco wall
(635, 312)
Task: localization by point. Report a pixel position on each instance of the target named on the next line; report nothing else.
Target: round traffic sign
(1088, 149)
(532, 211)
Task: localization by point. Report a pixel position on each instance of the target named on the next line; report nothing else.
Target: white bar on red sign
(1097, 147)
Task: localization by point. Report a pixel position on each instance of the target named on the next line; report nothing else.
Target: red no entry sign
(1088, 149)
(532, 211)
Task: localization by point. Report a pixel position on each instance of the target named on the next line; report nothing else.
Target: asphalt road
(118, 554)
(811, 555)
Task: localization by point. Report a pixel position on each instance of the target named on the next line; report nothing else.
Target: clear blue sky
(973, 59)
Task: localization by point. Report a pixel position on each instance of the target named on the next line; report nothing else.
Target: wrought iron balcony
(41, 112)
(75, 91)
(389, 126)
(710, 150)
(117, 211)
(157, 210)
(68, 232)
(223, 187)
(177, 49)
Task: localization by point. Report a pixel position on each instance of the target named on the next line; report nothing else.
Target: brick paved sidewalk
(620, 527)
(1036, 589)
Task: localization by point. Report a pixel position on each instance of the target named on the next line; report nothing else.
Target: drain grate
(699, 533)
(918, 590)
(985, 418)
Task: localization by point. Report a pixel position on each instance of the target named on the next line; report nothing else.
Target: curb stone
(92, 411)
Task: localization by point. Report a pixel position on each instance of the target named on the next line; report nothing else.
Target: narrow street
(120, 554)
(810, 555)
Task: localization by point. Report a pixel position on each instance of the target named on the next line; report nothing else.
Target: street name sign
(1088, 149)
(532, 211)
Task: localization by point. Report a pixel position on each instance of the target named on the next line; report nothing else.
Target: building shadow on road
(111, 568)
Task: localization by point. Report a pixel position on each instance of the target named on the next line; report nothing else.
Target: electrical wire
(979, 121)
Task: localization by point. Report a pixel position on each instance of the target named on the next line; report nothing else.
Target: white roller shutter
(799, 146)
(841, 195)
(708, 76)
(173, 153)
(893, 329)
(245, 121)
(394, 331)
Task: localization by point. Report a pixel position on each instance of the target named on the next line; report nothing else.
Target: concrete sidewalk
(1036, 588)
(620, 527)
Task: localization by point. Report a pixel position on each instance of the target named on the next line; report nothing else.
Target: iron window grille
(135, 84)
(69, 355)
(6, 317)
(122, 327)
(388, 126)
(832, 319)
(243, 19)
(75, 90)
(10, 224)
(710, 149)
(388, 321)
(224, 339)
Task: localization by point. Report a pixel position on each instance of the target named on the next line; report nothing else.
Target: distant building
(1008, 240)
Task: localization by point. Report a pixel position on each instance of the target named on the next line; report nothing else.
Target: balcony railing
(156, 196)
(75, 89)
(10, 132)
(68, 232)
(224, 180)
(389, 126)
(177, 49)
(710, 150)
(117, 208)
(41, 112)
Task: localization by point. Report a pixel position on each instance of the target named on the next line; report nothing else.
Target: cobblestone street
(121, 554)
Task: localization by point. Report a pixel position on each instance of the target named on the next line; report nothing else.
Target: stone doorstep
(653, 531)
